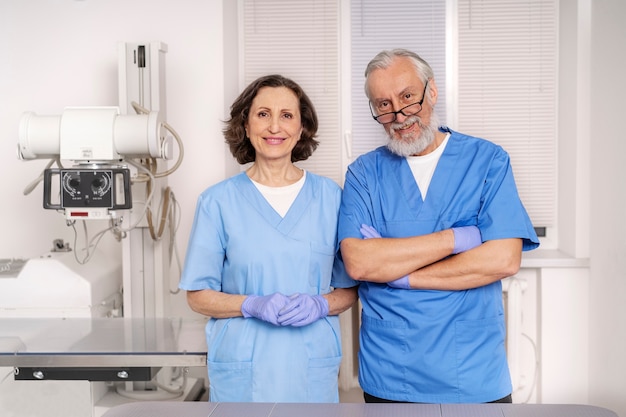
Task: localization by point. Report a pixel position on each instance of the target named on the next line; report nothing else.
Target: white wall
(64, 53)
(608, 189)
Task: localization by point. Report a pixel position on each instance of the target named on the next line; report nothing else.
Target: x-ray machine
(119, 169)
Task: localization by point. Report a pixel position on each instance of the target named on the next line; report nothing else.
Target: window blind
(504, 74)
(507, 80)
(300, 40)
(418, 25)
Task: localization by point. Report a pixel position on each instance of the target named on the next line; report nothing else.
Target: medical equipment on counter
(119, 156)
(55, 285)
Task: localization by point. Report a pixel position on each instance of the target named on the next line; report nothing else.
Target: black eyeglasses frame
(395, 113)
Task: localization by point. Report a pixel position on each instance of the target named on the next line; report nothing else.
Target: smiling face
(274, 124)
(396, 87)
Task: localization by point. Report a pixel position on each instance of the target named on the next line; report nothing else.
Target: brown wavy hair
(235, 133)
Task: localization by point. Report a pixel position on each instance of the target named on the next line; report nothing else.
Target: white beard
(409, 144)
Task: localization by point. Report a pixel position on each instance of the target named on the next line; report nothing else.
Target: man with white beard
(430, 224)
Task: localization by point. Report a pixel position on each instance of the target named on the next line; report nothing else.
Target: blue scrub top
(435, 346)
(240, 245)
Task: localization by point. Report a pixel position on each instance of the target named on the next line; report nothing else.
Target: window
(300, 40)
(507, 79)
(495, 63)
(418, 25)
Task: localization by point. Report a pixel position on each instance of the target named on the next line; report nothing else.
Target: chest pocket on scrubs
(321, 267)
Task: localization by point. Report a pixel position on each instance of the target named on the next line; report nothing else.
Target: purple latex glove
(466, 238)
(369, 232)
(401, 283)
(303, 309)
(264, 307)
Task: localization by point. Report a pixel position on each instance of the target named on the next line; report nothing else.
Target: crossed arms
(427, 262)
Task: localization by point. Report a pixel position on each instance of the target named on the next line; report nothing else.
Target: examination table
(208, 409)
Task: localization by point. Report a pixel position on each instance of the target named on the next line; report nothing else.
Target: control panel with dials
(85, 191)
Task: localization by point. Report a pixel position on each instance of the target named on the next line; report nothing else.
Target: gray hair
(385, 58)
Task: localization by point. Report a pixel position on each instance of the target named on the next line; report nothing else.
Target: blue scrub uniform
(434, 346)
(240, 245)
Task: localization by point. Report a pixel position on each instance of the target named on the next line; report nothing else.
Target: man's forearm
(386, 259)
(490, 262)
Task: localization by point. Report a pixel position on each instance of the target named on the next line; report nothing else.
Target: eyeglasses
(409, 110)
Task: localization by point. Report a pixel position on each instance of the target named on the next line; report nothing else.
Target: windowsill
(552, 258)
